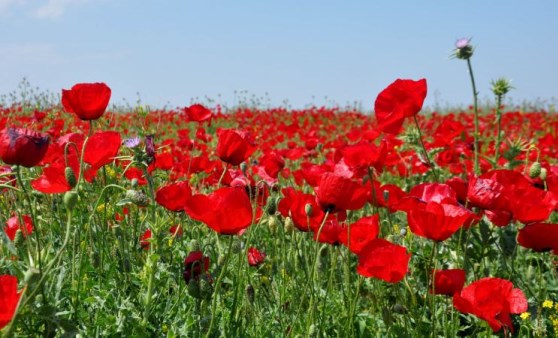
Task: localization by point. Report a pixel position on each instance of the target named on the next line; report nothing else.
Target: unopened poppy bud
(289, 225)
(271, 205)
(18, 239)
(236, 247)
(137, 197)
(543, 173)
(70, 176)
(31, 276)
(134, 182)
(206, 289)
(70, 199)
(250, 293)
(308, 209)
(243, 167)
(535, 170)
(273, 223)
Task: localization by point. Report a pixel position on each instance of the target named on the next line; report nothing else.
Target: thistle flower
(463, 49)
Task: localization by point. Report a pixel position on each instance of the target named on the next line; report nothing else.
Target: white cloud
(6, 5)
(54, 9)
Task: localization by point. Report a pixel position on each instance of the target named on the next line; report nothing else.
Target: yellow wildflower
(548, 304)
(525, 315)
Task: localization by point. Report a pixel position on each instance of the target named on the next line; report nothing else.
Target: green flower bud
(501, 86)
(543, 174)
(70, 199)
(271, 205)
(308, 209)
(289, 225)
(18, 239)
(70, 176)
(273, 223)
(194, 288)
(194, 245)
(535, 170)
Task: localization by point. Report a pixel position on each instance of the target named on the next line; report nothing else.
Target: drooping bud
(194, 245)
(271, 205)
(194, 288)
(535, 170)
(250, 293)
(543, 173)
(70, 176)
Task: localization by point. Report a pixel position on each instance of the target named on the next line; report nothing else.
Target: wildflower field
(247, 222)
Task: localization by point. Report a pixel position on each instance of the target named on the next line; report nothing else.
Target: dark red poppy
(357, 235)
(448, 282)
(9, 298)
(539, 237)
(174, 196)
(255, 257)
(337, 193)
(384, 260)
(22, 146)
(234, 146)
(227, 210)
(401, 99)
(87, 100)
(195, 264)
(197, 113)
(493, 300)
(438, 221)
(176, 230)
(13, 225)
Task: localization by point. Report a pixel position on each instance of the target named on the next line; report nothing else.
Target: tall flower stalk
(500, 88)
(464, 51)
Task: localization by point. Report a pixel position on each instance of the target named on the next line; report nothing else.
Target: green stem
(476, 117)
(498, 129)
(430, 163)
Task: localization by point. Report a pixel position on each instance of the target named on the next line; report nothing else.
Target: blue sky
(177, 52)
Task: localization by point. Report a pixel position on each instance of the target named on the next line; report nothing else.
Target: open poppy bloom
(294, 205)
(255, 257)
(360, 233)
(383, 260)
(227, 210)
(9, 298)
(539, 237)
(174, 196)
(195, 264)
(401, 99)
(13, 225)
(198, 113)
(493, 300)
(22, 146)
(438, 221)
(234, 146)
(448, 282)
(87, 100)
(337, 193)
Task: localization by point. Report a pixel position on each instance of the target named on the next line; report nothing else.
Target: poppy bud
(206, 289)
(70, 199)
(23, 147)
(137, 197)
(542, 175)
(535, 170)
(273, 223)
(194, 245)
(271, 205)
(308, 209)
(243, 168)
(134, 182)
(289, 225)
(194, 288)
(70, 176)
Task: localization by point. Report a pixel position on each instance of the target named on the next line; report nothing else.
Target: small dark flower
(195, 265)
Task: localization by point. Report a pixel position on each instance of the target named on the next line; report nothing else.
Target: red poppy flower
(101, 148)
(448, 282)
(227, 210)
(13, 225)
(401, 99)
(255, 257)
(87, 100)
(384, 260)
(23, 147)
(176, 230)
(294, 204)
(9, 298)
(493, 300)
(174, 196)
(539, 237)
(360, 233)
(197, 113)
(362, 156)
(438, 221)
(329, 232)
(234, 146)
(195, 264)
(145, 239)
(485, 193)
(337, 193)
